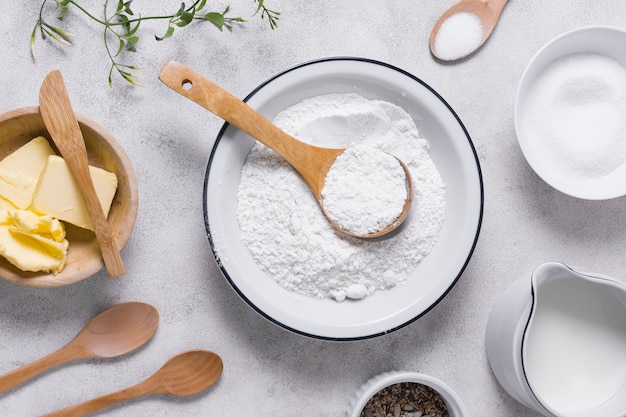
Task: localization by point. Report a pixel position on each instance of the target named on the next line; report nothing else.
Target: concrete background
(269, 371)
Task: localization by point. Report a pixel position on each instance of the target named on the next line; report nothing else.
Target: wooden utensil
(488, 11)
(118, 330)
(61, 123)
(311, 162)
(84, 257)
(185, 374)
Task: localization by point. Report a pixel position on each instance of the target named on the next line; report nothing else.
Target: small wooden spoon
(118, 330)
(58, 116)
(488, 11)
(185, 374)
(311, 162)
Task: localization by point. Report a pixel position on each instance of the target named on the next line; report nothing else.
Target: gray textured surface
(269, 371)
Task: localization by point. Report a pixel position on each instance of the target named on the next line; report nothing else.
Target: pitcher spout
(574, 343)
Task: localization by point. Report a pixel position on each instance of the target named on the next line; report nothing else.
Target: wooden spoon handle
(110, 253)
(26, 372)
(95, 404)
(311, 162)
(220, 102)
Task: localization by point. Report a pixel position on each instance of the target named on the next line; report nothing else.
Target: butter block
(20, 171)
(32, 243)
(57, 194)
(6, 204)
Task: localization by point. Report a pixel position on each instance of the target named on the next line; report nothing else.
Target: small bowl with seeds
(406, 394)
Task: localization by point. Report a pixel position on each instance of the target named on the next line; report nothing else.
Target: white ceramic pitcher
(556, 342)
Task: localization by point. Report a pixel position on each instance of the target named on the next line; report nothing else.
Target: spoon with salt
(311, 162)
(464, 28)
(116, 331)
(185, 374)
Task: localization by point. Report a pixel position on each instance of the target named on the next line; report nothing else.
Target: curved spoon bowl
(116, 331)
(185, 374)
(487, 11)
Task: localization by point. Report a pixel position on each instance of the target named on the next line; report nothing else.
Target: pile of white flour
(282, 224)
(364, 190)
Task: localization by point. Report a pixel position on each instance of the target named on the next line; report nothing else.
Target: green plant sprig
(120, 27)
(273, 16)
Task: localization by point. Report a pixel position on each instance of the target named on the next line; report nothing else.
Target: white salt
(574, 116)
(458, 36)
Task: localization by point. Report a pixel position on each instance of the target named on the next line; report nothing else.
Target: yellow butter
(6, 204)
(20, 171)
(57, 194)
(32, 243)
(45, 226)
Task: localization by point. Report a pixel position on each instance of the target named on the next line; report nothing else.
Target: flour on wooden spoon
(288, 236)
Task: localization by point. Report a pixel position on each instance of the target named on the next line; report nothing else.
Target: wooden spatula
(59, 118)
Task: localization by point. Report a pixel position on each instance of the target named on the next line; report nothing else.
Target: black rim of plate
(216, 253)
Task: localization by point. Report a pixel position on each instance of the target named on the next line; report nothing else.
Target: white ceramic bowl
(385, 311)
(603, 40)
(455, 406)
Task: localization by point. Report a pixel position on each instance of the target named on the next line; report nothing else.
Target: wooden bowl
(84, 259)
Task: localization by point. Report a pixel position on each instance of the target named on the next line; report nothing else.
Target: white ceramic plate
(385, 311)
(603, 40)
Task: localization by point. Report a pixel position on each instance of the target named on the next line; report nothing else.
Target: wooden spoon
(488, 11)
(311, 162)
(60, 121)
(185, 374)
(116, 331)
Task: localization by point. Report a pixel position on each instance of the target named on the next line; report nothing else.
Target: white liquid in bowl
(575, 353)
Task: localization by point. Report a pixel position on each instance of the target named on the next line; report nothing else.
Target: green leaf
(120, 47)
(123, 26)
(61, 32)
(134, 29)
(127, 8)
(260, 6)
(55, 33)
(63, 7)
(185, 18)
(32, 42)
(169, 33)
(180, 11)
(56, 37)
(132, 67)
(216, 18)
(125, 22)
(63, 12)
(131, 78)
